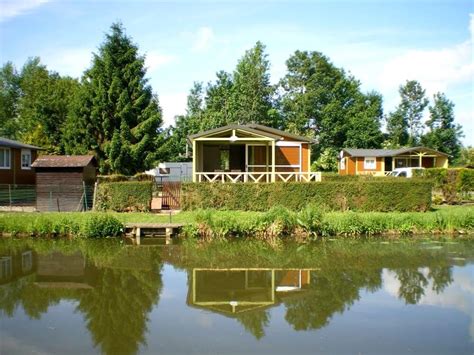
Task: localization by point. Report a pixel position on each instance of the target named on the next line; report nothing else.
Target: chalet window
(26, 159)
(370, 163)
(343, 164)
(5, 158)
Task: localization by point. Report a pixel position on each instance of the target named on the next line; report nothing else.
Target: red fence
(171, 195)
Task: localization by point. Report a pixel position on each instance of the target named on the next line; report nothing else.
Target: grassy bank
(310, 223)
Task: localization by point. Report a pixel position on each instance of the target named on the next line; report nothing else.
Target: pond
(336, 297)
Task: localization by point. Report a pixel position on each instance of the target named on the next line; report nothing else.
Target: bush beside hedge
(454, 184)
(124, 196)
(362, 195)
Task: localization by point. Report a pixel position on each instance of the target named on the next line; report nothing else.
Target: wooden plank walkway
(139, 230)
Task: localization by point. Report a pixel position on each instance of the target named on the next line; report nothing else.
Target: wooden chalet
(16, 159)
(64, 183)
(250, 153)
(380, 162)
(234, 291)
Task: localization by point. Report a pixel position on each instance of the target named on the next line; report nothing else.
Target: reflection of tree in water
(255, 322)
(116, 309)
(413, 282)
(330, 291)
(115, 305)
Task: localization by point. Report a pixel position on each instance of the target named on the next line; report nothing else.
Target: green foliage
(314, 222)
(116, 115)
(35, 104)
(327, 161)
(124, 196)
(443, 135)
(404, 124)
(466, 158)
(454, 184)
(102, 226)
(252, 91)
(378, 194)
(10, 92)
(321, 100)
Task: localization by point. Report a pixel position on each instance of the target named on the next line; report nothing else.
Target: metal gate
(171, 195)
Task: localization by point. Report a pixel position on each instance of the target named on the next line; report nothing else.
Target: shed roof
(388, 152)
(63, 161)
(10, 143)
(253, 128)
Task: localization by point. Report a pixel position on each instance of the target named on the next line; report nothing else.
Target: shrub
(452, 184)
(361, 195)
(124, 196)
(101, 226)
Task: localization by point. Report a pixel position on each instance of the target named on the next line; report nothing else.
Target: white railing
(255, 177)
(374, 173)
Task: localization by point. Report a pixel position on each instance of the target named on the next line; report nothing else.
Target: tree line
(113, 112)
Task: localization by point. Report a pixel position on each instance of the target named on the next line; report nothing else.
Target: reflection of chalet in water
(57, 270)
(233, 291)
(15, 265)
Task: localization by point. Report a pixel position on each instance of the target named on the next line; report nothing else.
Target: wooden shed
(64, 183)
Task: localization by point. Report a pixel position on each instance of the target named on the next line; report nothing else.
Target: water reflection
(246, 293)
(117, 289)
(115, 299)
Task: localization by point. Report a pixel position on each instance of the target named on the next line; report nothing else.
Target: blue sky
(382, 43)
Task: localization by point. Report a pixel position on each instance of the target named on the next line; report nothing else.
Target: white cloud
(172, 105)
(68, 61)
(436, 70)
(203, 39)
(12, 8)
(154, 60)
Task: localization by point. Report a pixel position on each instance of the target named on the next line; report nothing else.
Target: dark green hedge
(454, 184)
(124, 196)
(362, 195)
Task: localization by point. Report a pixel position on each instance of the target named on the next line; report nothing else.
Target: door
(257, 158)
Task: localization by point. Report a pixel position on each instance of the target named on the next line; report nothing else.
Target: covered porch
(250, 154)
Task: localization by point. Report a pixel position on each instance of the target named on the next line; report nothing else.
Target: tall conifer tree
(117, 115)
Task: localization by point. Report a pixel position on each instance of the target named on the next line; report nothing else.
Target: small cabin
(380, 162)
(65, 182)
(15, 162)
(251, 153)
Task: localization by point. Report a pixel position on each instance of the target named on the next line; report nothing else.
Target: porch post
(266, 161)
(420, 157)
(194, 161)
(273, 161)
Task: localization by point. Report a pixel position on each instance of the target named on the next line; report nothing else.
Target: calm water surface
(339, 297)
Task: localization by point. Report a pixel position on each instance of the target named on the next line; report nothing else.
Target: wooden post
(138, 235)
(168, 233)
(10, 194)
(194, 160)
(273, 162)
(94, 196)
(85, 195)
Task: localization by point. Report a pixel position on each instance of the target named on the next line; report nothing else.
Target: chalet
(380, 162)
(64, 182)
(234, 291)
(15, 162)
(250, 153)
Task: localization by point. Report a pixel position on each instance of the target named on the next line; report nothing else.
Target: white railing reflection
(255, 177)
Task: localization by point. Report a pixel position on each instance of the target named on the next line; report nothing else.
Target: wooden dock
(136, 231)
